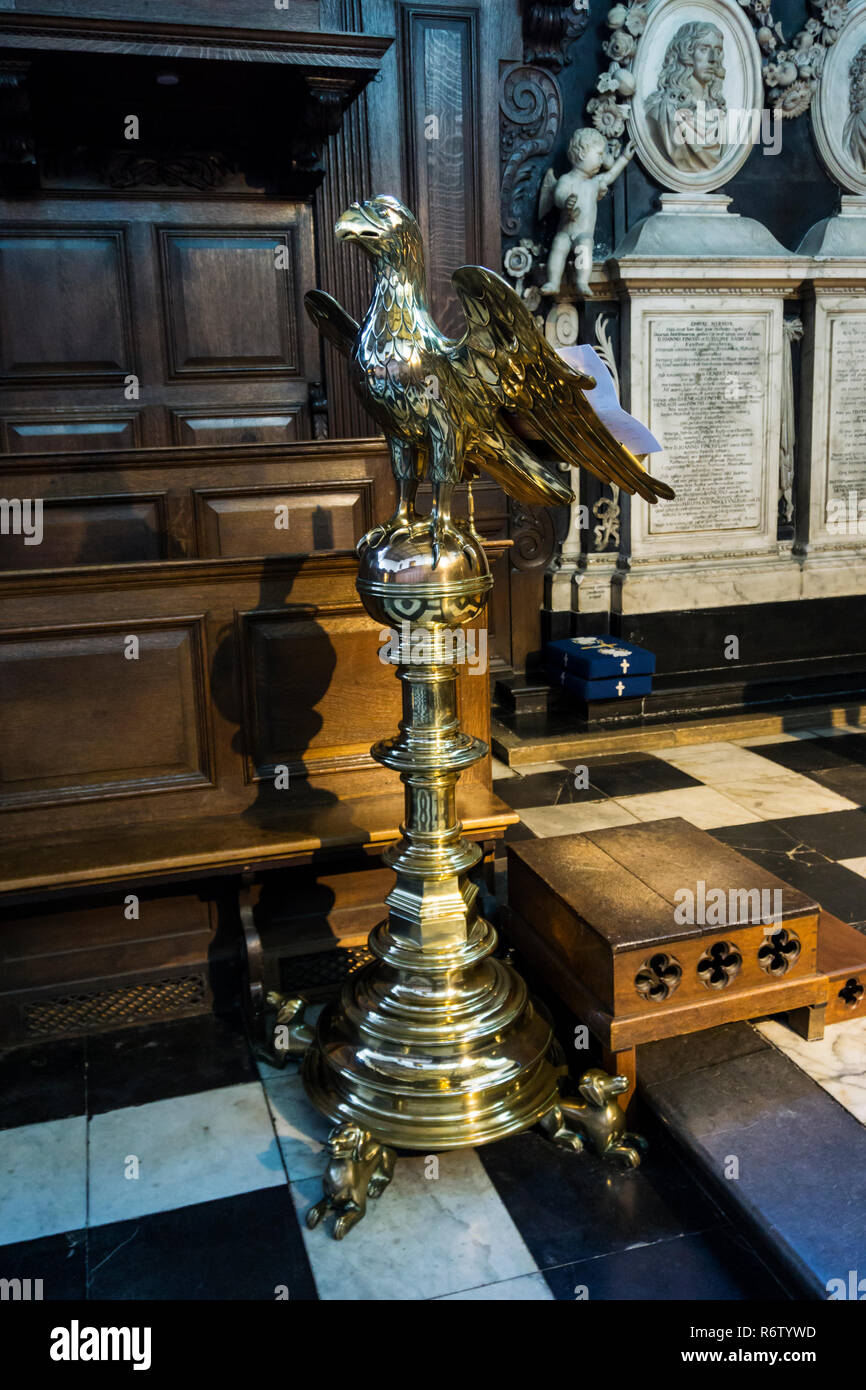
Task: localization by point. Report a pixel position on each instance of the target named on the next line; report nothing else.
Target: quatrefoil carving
(658, 977)
(779, 952)
(851, 992)
(719, 964)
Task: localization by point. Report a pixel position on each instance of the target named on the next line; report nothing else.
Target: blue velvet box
(608, 688)
(597, 658)
(600, 668)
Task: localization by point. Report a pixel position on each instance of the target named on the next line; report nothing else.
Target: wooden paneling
(281, 667)
(65, 305)
(100, 710)
(91, 531)
(148, 504)
(253, 276)
(291, 14)
(208, 292)
(270, 425)
(62, 430)
(317, 695)
(263, 521)
(440, 71)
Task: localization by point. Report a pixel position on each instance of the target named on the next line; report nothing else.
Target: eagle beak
(355, 224)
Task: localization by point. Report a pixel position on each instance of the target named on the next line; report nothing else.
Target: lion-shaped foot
(596, 1122)
(358, 1167)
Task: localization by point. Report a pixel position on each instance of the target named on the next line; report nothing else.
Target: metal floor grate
(80, 1012)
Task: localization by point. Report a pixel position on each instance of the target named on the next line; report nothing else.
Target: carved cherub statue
(577, 194)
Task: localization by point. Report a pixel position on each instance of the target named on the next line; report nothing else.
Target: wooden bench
(220, 771)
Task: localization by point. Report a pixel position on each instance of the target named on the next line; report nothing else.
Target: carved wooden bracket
(549, 30)
(530, 105)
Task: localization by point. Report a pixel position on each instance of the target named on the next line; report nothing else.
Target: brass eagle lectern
(436, 1044)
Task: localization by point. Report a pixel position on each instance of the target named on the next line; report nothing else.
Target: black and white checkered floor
(164, 1163)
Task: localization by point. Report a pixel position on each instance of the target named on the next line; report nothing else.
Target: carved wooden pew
(189, 737)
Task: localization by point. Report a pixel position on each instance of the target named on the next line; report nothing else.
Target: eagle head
(384, 227)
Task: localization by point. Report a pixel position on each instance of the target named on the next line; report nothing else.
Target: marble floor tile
(526, 1288)
(134, 1066)
(838, 835)
(59, 1261)
(45, 1081)
(857, 866)
(782, 794)
(571, 820)
(837, 1061)
(530, 769)
(571, 1207)
(710, 1265)
(714, 762)
(636, 774)
(757, 740)
(244, 1247)
(838, 730)
(818, 755)
(300, 1129)
(190, 1149)
(546, 789)
(43, 1179)
(704, 807)
(500, 769)
(424, 1237)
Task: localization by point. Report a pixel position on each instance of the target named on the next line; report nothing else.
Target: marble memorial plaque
(705, 376)
(707, 401)
(846, 446)
(838, 421)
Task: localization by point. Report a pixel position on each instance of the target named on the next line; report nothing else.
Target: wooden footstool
(842, 958)
(603, 918)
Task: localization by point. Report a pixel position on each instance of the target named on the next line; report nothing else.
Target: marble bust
(839, 105)
(854, 132)
(698, 93)
(685, 113)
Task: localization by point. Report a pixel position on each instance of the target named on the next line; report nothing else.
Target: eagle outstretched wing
(332, 320)
(508, 368)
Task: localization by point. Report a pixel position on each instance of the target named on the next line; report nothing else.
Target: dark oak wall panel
(83, 720)
(244, 521)
(440, 72)
(199, 502)
(317, 695)
(205, 273)
(62, 430)
(265, 426)
(148, 321)
(65, 306)
(91, 531)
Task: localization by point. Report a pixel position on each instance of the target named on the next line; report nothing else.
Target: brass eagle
(499, 399)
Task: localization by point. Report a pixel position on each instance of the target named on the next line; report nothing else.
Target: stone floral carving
(792, 71)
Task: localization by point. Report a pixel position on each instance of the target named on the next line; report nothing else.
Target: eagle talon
(371, 538)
